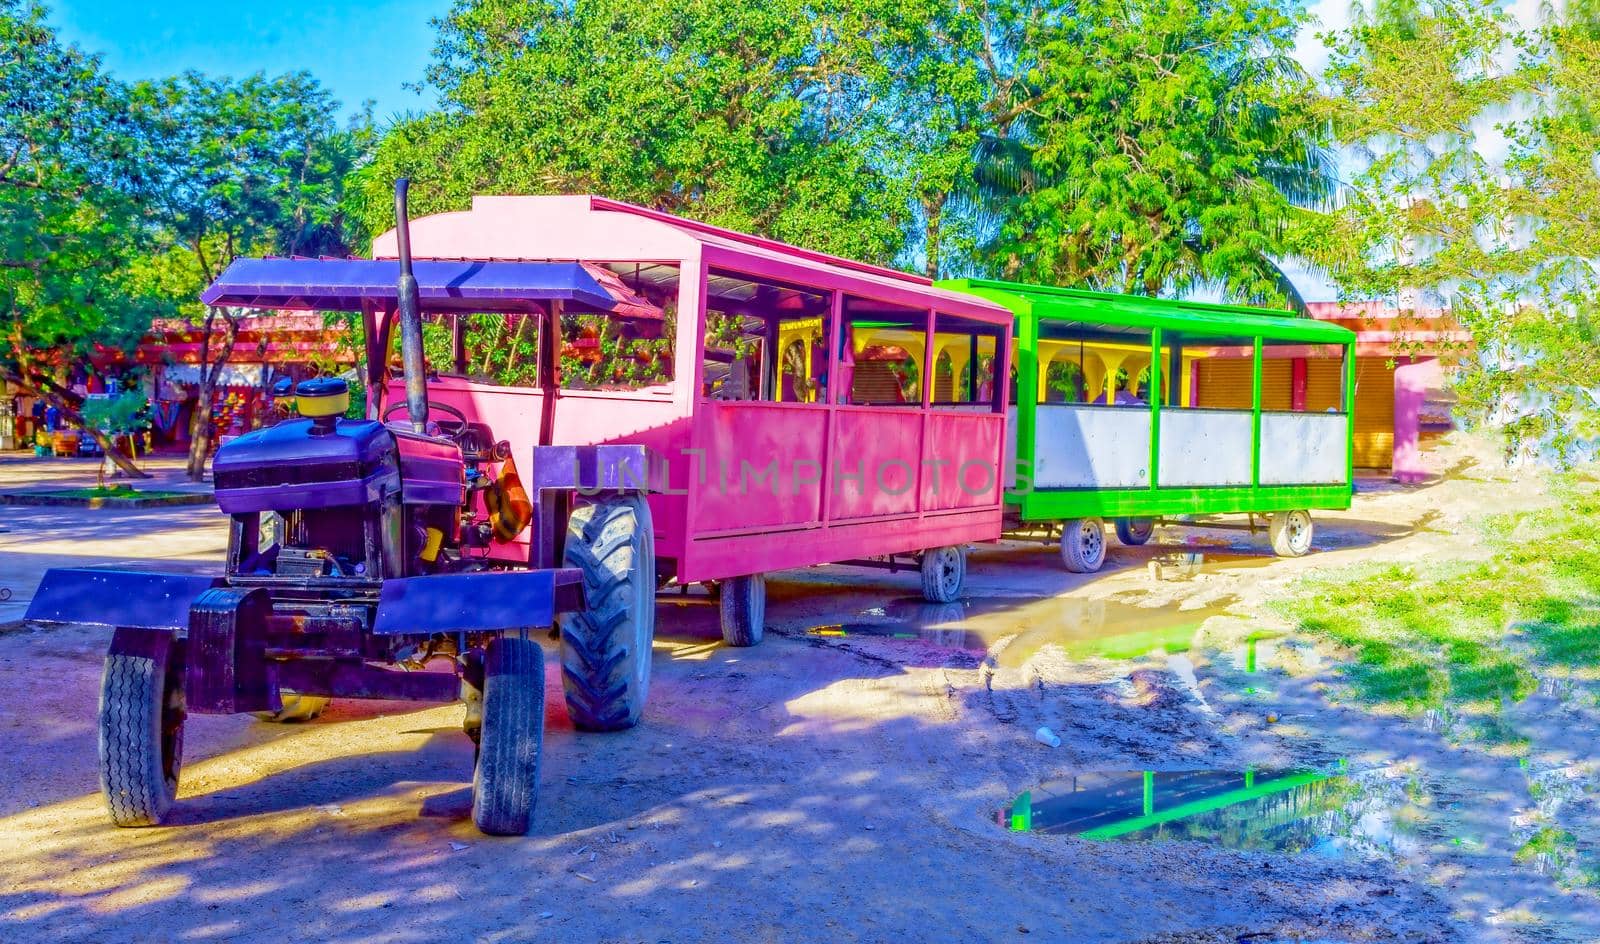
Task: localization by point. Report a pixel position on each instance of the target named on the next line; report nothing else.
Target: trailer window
(881, 353)
(967, 354)
(497, 348)
(764, 340)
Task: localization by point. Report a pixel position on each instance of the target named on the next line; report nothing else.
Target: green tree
(1163, 146)
(230, 168)
(1428, 95)
(68, 222)
(758, 117)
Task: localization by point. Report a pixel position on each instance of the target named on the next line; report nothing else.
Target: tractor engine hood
(296, 465)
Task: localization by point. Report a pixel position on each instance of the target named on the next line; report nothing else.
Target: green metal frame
(1193, 320)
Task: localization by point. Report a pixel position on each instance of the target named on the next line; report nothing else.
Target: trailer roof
(1134, 315)
(606, 231)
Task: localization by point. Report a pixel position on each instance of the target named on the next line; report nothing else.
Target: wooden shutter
(1374, 419)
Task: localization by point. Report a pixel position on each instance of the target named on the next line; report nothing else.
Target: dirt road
(840, 786)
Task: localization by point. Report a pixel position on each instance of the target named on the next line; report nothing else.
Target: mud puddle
(1189, 564)
(1379, 813)
(1106, 628)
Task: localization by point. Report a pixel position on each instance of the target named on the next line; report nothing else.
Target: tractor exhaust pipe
(409, 309)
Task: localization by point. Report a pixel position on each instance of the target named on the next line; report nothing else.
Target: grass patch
(1549, 841)
(1458, 632)
(108, 491)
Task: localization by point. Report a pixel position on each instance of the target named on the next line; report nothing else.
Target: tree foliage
(66, 213)
(752, 116)
(235, 167)
(1165, 146)
(1477, 190)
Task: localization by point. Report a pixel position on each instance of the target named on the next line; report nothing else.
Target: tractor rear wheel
(744, 610)
(605, 648)
(141, 734)
(506, 779)
(1133, 532)
(944, 570)
(295, 707)
(1083, 545)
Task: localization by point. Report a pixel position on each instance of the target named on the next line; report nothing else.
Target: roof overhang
(455, 285)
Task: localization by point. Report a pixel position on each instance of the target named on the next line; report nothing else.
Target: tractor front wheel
(141, 729)
(1083, 545)
(505, 782)
(744, 610)
(944, 570)
(605, 648)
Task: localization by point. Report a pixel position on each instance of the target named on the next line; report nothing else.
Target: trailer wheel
(744, 610)
(1133, 532)
(141, 735)
(295, 707)
(1083, 545)
(944, 570)
(506, 778)
(1290, 532)
(605, 649)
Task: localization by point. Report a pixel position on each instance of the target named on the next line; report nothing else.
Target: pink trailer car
(799, 408)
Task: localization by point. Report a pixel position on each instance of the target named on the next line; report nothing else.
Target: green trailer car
(1143, 410)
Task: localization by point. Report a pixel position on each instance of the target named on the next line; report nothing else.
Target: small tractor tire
(1133, 532)
(295, 707)
(141, 736)
(1291, 533)
(944, 570)
(1083, 545)
(744, 610)
(505, 781)
(605, 648)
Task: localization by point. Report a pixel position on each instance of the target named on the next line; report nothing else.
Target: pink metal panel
(761, 467)
(874, 459)
(961, 460)
(715, 558)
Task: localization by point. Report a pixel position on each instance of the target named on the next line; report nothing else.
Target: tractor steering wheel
(466, 437)
(399, 405)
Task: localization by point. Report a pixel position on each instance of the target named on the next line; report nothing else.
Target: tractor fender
(121, 598)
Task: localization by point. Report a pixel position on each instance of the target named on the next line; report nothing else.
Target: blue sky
(362, 50)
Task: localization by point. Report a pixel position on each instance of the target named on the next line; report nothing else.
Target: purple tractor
(358, 561)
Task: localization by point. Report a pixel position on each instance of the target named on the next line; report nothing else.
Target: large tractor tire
(744, 610)
(141, 733)
(1291, 533)
(295, 707)
(1083, 545)
(505, 782)
(605, 649)
(944, 570)
(1133, 532)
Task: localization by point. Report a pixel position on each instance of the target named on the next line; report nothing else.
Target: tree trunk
(113, 451)
(68, 403)
(201, 426)
(933, 214)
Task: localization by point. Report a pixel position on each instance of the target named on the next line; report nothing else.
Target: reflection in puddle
(1373, 814)
(1082, 628)
(1186, 565)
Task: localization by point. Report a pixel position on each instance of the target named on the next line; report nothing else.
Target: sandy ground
(815, 788)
